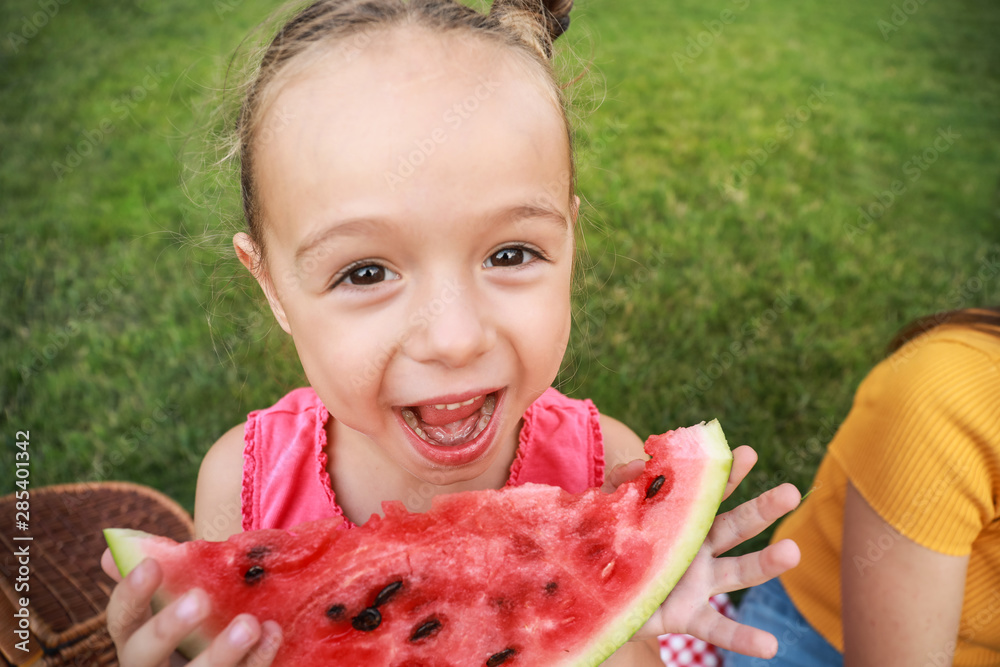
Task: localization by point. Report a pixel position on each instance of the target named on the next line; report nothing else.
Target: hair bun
(559, 11)
(537, 22)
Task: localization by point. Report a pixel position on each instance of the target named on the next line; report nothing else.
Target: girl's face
(419, 246)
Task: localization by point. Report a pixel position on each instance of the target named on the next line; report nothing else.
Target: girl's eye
(369, 274)
(512, 256)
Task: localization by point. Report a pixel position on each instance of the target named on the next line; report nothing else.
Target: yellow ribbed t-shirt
(922, 446)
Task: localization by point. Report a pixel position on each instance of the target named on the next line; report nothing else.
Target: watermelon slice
(528, 575)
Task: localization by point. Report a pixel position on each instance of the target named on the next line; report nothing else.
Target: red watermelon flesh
(528, 575)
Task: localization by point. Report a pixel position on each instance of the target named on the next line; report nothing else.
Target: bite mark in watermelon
(527, 575)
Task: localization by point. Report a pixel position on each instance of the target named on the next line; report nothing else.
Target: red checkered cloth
(684, 650)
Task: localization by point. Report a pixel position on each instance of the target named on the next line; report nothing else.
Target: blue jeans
(768, 607)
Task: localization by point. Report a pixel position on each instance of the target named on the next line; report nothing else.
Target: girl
(902, 534)
(408, 188)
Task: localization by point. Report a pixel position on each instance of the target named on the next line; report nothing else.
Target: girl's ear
(576, 208)
(249, 255)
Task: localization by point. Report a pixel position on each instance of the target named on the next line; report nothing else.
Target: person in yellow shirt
(900, 537)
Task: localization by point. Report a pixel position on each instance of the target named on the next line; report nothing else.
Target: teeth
(480, 425)
(456, 406)
(489, 405)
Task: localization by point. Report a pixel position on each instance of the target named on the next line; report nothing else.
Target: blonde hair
(527, 27)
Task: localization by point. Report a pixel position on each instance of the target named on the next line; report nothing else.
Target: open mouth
(451, 424)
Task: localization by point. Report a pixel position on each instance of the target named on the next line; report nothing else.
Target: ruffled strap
(560, 444)
(285, 480)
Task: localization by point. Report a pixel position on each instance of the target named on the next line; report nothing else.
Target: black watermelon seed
(367, 620)
(387, 593)
(254, 574)
(426, 629)
(551, 587)
(258, 552)
(499, 658)
(654, 486)
(336, 612)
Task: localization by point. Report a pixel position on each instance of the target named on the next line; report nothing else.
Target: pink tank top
(285, 481)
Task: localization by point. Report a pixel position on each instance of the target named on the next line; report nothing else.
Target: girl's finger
(741, 523)
(153, 643)
(621, 473)
(109, 567)
(245, 642)
(233, 645)
(128, 607)
(263, 653)
(733, 574)
(714, 628)
(744, 458)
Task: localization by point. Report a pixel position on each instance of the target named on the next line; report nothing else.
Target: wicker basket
(68, 589)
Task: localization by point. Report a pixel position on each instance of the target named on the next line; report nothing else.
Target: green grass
(127, 349)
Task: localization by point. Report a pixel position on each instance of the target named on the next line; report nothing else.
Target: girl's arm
(687, 609)
(901, 601)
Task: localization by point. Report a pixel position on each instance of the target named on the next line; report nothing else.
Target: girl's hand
(144, 640)
(686, 610)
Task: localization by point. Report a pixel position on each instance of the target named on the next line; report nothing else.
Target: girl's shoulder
(217, 500)
(621, 444)
(943, 371)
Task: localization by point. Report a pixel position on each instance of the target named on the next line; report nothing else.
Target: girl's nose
(451, 327)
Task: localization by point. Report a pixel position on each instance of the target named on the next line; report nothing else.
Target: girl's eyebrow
(361, 226)
(349, 227)
(524, 211)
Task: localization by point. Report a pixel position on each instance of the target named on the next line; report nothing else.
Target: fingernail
(272, 637)
(139, 576)
(240, 634)
(189, 608)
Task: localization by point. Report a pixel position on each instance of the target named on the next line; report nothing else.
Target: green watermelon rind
(126, 549)
(718, 464)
